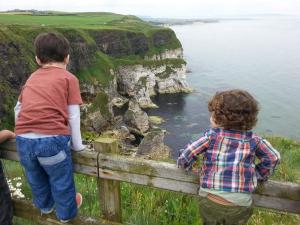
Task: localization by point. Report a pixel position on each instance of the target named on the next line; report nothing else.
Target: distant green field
(78, 20)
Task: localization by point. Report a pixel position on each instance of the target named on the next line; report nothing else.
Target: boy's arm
(74, 100)
(269, 159)
(6, 134)
(74, 122)
(189, 155)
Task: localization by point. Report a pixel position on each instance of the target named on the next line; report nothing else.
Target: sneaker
(78, 200)
(78, 203)
(46, 212)
(64, 221)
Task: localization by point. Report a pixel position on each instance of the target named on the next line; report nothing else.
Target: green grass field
(59, 20)
(146, 206)
(78, 20)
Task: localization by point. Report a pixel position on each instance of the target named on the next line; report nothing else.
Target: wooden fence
(112, 168)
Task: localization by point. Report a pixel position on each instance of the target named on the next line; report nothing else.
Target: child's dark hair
(234, 109)
(51, 47)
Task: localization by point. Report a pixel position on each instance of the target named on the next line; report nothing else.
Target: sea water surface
(261, 55)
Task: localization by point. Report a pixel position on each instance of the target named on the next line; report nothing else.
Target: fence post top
(106, 140)
(106, 145)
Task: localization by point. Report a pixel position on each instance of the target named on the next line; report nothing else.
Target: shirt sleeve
(74, 97)
(269, 159)
(190, 154)
(17, 110)
(74, 122)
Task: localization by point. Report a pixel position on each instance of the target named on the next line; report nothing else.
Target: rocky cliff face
(143, 81)
(113, 66)
(167, 54)
(118, 43)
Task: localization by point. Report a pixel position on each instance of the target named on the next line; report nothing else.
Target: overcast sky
(162, 8)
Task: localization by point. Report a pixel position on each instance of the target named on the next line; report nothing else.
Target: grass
(98, 72)
(60, 20)
(101, 103)
(77, 20)
(289, 169)
(8, 103)
(145, 206)
(126, 61)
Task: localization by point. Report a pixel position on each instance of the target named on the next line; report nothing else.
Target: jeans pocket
(53, 160)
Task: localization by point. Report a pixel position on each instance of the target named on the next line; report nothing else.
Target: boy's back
(229, 159)
(45, 98)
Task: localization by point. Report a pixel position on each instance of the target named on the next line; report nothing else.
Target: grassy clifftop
(116, 36)
(99, 20)
(93, 21)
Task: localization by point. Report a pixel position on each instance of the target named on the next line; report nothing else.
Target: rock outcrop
(136, 118)
(142, 81)
(153, 147)
(167, 54)
(95, 122)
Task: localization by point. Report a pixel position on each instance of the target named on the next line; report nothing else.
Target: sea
(260, 55)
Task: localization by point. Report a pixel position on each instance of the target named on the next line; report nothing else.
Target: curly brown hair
(234, 109)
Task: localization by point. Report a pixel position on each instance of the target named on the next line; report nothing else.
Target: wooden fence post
(109, 190)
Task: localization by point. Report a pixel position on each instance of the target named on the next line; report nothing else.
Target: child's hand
(6, 134)
(79, 148)
(178, 160)
(11, 134)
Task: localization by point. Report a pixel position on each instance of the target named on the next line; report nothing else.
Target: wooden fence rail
(111, 168)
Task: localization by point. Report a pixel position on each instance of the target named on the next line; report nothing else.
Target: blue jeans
(48, 168)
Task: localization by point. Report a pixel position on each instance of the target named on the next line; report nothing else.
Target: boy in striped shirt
(229, 171)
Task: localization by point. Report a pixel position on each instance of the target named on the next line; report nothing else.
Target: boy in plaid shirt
(229, 173)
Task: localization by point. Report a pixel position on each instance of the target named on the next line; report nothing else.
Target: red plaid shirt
(229, 159)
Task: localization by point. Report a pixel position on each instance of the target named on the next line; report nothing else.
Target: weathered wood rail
(111, 168)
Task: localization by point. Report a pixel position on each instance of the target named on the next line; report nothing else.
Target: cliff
(117, 59)
(142, 81)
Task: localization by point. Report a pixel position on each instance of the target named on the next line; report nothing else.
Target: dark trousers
(6, 209)
(215, 214)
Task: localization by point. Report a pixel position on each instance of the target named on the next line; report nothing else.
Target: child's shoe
(46, 212)
(78, 203)
(78, 200)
